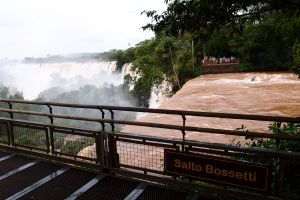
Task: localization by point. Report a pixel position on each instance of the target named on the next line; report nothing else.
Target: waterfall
(126, 69)
(33, 78)
(159, 94)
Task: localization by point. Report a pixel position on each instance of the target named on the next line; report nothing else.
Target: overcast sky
(41, 27)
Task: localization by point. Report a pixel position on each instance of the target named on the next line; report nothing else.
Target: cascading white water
(159, 94)
(127, 70)
(32, 79)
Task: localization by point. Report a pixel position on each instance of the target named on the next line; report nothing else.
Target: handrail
(163, 111)
(156, 125)
(116, 150)
(247, 149)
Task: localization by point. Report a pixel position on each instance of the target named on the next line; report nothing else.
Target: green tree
(194, 15)
(266, 45)
(218, 44)
(123, 56)
(202, 19)
(160, 58)
(278, 129)
(296, 58)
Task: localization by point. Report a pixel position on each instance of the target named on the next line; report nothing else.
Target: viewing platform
(45, 156)
(27, 178)
(217, 68)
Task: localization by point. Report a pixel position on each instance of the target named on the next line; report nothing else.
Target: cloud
(37, 28)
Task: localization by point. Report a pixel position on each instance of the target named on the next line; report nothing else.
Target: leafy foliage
(261, 32)
(296, 58)
(162, 58)
(123, 57)
(285, 145)
(267, 45)
(204, 15)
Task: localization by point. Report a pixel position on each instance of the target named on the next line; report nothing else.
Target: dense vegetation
(162, 57)
(292, 172)
(278, 129)
(263, 34)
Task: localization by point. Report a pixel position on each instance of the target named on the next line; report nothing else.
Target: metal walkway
(138, 166)
(25, 178)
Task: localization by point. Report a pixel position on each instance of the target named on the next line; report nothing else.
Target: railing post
(47, 139)
(51, 112)
(11, 133)
(183, 131)
(98, 153)
(10, 107)
(183, 124)
(112, 117)
(100, 145)
(112, 154)
(277, 161)
(103, 116)
(107, 152)
(104, 150)
(8, 133)
(51, 141)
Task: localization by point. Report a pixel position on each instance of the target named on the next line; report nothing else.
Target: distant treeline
(84, 57)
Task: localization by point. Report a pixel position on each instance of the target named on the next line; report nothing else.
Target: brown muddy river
(268, 93)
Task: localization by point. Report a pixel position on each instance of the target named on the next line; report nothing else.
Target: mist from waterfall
(91, 82)
(33, 78)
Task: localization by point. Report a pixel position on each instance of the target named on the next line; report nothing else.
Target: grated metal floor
(110, 188)
(153, 193)
(42, 181)
(62, 186)
(23, 179)
(13, 163)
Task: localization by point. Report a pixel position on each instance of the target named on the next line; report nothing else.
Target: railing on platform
(117, 152)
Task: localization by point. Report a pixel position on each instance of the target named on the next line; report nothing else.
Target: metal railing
(138, 155)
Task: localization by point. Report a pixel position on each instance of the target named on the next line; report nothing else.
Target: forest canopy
(264, 34)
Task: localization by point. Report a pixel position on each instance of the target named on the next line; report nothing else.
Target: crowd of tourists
(219, 60)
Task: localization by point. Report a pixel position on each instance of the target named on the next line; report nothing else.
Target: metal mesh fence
(290, 178)
(4, 133)
(74, 144)
(142, 155)
(31, 137)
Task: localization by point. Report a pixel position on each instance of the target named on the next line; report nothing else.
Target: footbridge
(49, 154)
